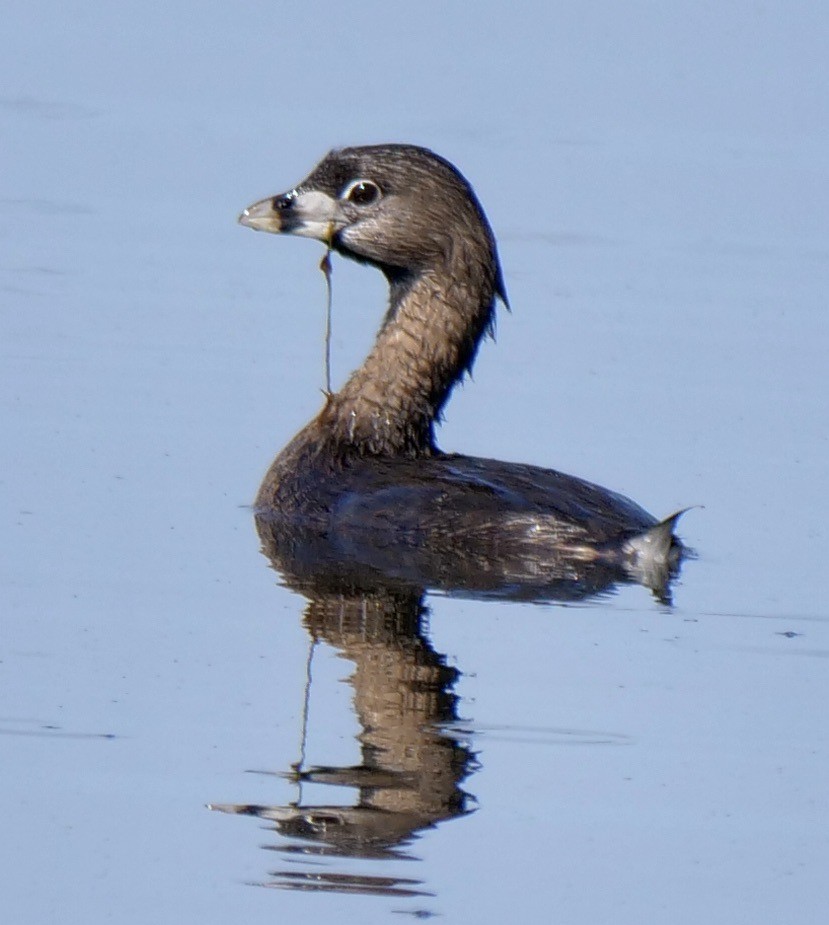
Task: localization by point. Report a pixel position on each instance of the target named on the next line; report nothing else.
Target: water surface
(656, 180)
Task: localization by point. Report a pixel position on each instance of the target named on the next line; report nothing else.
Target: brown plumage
(369, 461)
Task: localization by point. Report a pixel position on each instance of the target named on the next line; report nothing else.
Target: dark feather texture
(368, 461)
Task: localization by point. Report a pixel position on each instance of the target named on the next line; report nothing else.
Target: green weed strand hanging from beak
(325, 266)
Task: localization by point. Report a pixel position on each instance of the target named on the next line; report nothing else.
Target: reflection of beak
(308, 213)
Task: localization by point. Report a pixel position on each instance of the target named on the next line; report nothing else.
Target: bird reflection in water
(411, 771)
(366, 600)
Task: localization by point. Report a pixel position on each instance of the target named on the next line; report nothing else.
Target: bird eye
(361, 192)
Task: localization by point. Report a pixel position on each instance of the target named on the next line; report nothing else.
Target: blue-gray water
(656, 177)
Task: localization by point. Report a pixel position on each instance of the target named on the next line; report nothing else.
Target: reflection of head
(411, 767)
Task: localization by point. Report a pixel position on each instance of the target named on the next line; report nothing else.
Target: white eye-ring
(361, 192)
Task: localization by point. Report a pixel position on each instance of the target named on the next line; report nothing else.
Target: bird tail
(654, 554)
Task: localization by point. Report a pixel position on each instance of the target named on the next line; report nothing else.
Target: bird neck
(428, 340)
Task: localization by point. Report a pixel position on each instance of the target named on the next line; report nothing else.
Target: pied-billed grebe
(369, 461)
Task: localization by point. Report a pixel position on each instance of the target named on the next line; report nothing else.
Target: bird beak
(263, 215)
(307, 213)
